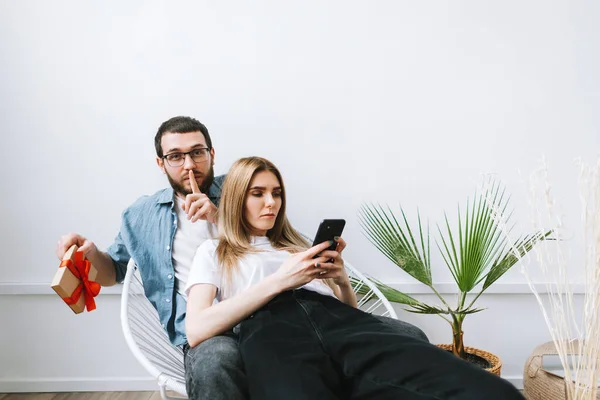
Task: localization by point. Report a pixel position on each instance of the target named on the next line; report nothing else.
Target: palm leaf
(397, 241)
(417, 306)
(469, 252)
(397, 296)
(505, 262)
(426, 309)
(469, 311)
(439, 310)
(391, 294)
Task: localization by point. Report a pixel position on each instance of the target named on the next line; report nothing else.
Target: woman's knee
(403, 328)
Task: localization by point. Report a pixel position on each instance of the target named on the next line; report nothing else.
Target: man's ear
(212, 155)
(161, 164)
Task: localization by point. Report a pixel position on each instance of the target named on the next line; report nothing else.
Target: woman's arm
(205, 320)
(345, 294)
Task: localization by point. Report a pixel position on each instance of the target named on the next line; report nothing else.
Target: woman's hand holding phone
(333, 268)
(300, 268)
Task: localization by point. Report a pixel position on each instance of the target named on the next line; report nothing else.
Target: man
(161, 233)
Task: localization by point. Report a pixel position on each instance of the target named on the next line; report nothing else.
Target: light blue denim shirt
(147, 230)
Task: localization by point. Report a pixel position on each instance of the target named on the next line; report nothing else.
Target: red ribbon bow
(81, 270)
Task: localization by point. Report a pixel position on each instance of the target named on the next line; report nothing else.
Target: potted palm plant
(477, 253)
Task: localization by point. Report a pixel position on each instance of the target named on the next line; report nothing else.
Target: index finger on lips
(193, 183)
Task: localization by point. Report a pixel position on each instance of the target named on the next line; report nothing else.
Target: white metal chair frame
(150, 345)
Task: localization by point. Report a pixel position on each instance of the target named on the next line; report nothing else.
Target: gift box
(75, 281)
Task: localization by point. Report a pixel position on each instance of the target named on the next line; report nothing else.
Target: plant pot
(493, 360)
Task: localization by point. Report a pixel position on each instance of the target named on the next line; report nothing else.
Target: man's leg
(403, 328)
(214, 370)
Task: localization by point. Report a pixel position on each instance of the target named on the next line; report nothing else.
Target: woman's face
(263, 201)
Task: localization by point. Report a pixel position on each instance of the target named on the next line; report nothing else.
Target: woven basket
(494, 360)
(539, 384)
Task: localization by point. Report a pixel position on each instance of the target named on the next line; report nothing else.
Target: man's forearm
(107, 275)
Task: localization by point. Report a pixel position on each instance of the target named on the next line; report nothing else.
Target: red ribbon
(81, 270)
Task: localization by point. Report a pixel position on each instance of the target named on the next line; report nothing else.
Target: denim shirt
(147, 230)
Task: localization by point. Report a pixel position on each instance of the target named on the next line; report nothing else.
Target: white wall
(391, 101)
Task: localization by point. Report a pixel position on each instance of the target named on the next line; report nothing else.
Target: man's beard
(204, 188)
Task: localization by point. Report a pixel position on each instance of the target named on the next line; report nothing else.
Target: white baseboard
(516, 380)
(109, 384)
(34, 288)
(502, 288)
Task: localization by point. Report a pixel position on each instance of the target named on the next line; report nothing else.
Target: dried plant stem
(577, 344)
(574, 331)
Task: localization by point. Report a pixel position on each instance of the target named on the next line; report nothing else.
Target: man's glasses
(178, 159)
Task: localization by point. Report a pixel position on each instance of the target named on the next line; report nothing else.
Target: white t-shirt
(252, 268)
(188, 237)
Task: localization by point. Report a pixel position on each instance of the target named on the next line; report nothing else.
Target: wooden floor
(83, 396)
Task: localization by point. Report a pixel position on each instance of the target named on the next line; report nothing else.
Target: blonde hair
(234, 230)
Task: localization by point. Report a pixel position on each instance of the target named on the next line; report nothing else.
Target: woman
(301, 336)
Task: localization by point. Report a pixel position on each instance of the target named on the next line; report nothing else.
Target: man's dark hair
(180, 125)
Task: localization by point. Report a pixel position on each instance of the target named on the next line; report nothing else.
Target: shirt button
(174, 222)
(168, 247)
(163, 325)
(168, 300)
(170, 276)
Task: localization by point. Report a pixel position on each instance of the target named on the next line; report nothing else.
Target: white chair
(149, 342)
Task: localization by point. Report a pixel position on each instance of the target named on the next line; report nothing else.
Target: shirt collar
(166, 196)
(259, 240)
(214, 192)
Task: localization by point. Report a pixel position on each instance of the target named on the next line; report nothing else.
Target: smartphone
(328, 229)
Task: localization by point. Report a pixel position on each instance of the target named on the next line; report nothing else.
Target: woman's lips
(268, 216)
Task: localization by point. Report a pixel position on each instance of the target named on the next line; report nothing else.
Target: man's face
(178, 175)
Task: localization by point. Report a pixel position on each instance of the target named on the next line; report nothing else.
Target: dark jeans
(304, 345)
(214, 370)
